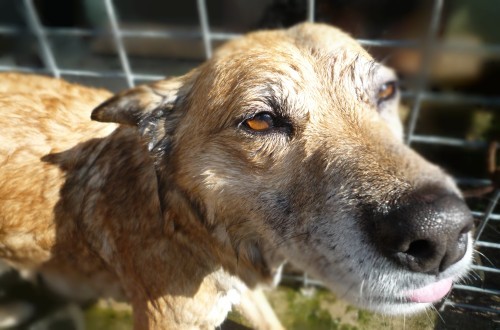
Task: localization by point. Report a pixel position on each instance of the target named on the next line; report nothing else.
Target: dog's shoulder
(40, 117)
(48, 113)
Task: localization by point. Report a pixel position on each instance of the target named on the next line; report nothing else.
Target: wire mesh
(124, 71)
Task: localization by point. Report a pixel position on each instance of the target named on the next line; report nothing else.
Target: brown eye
(261, 122)
(387, 91)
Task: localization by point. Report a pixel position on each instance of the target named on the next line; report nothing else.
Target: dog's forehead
(299, 53)
(315, 39)
(309, 67)
(307, 53)
(325, 39)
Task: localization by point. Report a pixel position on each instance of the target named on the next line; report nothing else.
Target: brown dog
(284, 146)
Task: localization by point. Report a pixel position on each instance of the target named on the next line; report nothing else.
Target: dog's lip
(430, 293)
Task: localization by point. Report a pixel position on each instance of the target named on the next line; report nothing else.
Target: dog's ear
(151, 108)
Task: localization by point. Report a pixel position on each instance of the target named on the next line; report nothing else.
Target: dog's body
(285, 146)
(51, 172)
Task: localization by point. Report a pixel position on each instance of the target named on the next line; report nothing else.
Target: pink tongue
(432, 292)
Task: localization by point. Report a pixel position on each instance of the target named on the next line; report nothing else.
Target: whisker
(485, 257)
(438, 313)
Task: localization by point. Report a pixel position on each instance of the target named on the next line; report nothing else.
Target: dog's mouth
(411, 301)
(430, 293)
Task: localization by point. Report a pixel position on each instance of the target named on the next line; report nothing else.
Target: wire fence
(482, 295)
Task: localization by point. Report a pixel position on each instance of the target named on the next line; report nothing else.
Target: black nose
(427, 232)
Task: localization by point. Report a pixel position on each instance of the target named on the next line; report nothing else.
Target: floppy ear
(151, 108)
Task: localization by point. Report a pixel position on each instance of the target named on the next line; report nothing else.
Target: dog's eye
(387, 91)
(261, 122)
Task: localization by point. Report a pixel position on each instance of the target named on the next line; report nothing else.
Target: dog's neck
(248, 259)
(165, 255)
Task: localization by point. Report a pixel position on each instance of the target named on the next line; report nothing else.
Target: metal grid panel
(418, 96)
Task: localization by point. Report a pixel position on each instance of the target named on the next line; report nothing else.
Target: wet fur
(180, 209)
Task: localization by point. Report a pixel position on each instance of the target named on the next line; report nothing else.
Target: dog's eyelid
(265, 122)
(387, 91)
(260, 122)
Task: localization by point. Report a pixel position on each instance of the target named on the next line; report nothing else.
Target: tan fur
(180, 210)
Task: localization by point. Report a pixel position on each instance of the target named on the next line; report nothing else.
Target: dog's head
(289, 143)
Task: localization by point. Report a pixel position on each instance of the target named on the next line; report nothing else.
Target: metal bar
(472, 307)
(311, 4)
(120, 48)
(487, 213)
(473, 181)
(171, 34)
(177, 34)
(447, 141)
(37, 29)
(456, 47)
(97, 74)
(84, 73)
(147, 76)
(111, 74)
(494, 217)
(486, 269)
(10, 30)
(224, 36)
(425, 70)
(448, 47)
(452, 142)
(475, 289)
(75, 32)
(205, 28)
(25, 69)
(125, 33)
(300, 279)
(462, 99)
(389, 43)
(487, 244)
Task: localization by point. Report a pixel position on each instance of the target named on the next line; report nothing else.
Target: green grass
(101, 316)
(314, 309)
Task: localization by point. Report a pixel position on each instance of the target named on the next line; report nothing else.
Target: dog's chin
(407, 302)
(411, 301)
(397, 308)
(401, 294)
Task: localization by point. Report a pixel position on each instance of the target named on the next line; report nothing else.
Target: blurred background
(447, 55)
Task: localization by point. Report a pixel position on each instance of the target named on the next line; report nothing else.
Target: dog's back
(40, 116)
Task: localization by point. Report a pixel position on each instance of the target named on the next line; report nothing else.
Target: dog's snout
(426, 233)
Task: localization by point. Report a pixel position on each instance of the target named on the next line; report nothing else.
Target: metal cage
(475, 295)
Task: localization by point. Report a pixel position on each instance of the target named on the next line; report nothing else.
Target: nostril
(467, 228)
(420, 249)
(426, 233)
